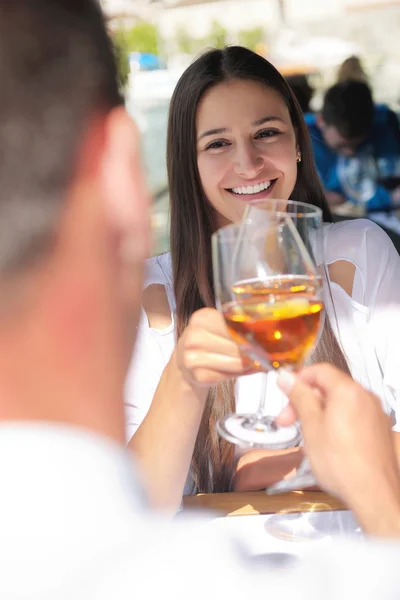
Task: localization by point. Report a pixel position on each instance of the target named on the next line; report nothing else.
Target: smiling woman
(252, 158)
(236, 134)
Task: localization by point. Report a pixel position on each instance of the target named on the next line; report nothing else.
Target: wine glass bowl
(269, 289)
(281, 317)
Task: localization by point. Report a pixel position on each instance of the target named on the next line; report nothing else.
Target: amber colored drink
(281, 317)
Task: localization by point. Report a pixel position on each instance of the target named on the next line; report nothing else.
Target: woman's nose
(248, 162)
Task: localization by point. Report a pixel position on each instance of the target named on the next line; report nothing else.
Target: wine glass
(359, 177)
(269, 288)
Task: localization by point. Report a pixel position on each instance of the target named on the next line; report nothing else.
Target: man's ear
(124, 191)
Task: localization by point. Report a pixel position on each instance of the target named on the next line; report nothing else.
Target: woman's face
(246, 147)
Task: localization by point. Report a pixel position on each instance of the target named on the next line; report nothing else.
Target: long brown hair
(193, 222)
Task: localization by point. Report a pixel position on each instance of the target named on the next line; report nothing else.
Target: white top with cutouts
(366, 325)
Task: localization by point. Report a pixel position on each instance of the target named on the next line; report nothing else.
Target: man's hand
(396, 196)
(348, 440)
(334, 199)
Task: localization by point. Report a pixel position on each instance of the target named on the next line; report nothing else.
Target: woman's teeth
(252, 189)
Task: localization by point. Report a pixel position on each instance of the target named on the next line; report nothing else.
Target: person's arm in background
(334, 198)
(386, 136)
(380, 199)
(347, 439)
(396, 196)
(394, 132)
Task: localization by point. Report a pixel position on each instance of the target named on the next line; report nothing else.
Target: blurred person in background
(356, 147)
(302, 90)
(351, 69)
(74, 236)
(235, 135)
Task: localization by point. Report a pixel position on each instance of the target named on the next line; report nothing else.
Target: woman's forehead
(244, 100)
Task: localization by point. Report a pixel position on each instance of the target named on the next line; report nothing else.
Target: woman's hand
(206, 352)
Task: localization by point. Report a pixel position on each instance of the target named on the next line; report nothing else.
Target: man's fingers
(287, 417)
(324, 377)
(305, 401)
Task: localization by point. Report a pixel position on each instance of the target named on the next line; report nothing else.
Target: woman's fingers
(197, 340)
(211, 320)
(207, 352)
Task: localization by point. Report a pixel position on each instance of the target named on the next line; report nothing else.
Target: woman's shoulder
(158, 270)
(358, 241)
(158, 301)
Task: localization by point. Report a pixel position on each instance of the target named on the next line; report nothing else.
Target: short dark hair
(349, 107)
(57, 69)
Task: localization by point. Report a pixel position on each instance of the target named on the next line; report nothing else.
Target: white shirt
(73, 525)
(366, 325)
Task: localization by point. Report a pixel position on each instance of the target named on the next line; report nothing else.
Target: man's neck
(53, 367)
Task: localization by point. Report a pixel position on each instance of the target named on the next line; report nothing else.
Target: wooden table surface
(259, 503)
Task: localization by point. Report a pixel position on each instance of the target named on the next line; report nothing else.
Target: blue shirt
(357, 177)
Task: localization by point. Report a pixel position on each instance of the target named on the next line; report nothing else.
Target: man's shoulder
(312, 124)
(323, 155)
(310, 118)
(382, 112)
(314, 130)
(385, 119)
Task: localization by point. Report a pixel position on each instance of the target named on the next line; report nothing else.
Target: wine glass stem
(263, 395)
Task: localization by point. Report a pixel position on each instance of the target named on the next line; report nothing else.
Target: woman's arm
(163, 445)
(258, 469)
(382, 296)
(204, 356)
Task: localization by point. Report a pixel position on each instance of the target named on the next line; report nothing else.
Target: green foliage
(143, 37)
(218, 36)
(122, 61)
(251, 38)
(183, 40)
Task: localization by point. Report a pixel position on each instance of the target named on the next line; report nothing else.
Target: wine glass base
(249, 430)
(311, 526)
(295, 527)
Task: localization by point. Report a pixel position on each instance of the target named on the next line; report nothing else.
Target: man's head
(73, 206)
(347, 116)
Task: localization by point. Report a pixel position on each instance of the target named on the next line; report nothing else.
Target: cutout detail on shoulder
(156, 306)
(342, 272)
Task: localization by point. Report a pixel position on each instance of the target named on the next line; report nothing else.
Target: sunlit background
(157, 39)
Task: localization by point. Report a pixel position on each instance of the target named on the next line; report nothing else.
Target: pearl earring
(298, 157)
